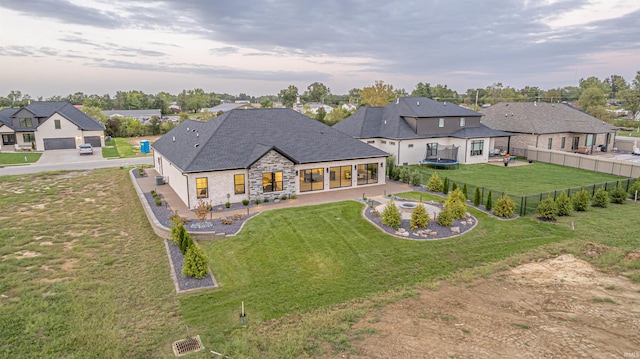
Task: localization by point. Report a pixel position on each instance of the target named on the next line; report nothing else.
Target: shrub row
(551, 209)
(194, 263)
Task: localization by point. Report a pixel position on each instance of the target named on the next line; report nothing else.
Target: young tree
(465, 191)
(618, 195)
(563, 204)
(489, 204)
(505, 207)
(456, 203)
(419, 217)
(435, 183)
(600, 198)
(391, 216)
(195, 263)
(547, 209)
(476, 197)
(580, 200)
(445, 185)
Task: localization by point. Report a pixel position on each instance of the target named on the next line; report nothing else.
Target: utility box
(159, 180)
(144, 146)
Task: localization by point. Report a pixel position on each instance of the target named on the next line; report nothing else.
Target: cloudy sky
(57, 47)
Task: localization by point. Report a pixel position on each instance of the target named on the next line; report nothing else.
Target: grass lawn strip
(17, 158)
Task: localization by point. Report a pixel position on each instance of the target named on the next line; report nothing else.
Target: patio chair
(636, 151)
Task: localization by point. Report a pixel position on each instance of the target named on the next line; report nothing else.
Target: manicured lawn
(522, 180)
(12, 158)
(83, 275)
(110, 152)
(122, 148)
(629, 133)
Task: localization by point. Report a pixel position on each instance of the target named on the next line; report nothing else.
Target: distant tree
(617, 83)
(15, 97)
(630, 96)
(154, 125)
(266, 103)
(112, 127)
(444, 94)
(593, 81)
(95, 113)
(422, 90)
(320, 115)
(316, 92)
(288, 96)
(338, 114)
(380, 94)
(592, 100)
(354, 95)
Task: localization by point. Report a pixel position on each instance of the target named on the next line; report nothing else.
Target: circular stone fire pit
(408, 205)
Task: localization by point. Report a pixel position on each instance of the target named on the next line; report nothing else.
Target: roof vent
(511, 114)
(535, 103)
(445, 103)
(385, 122)
(196, 145)
(174, 138)
(506, 115)
(397, 100)
(197, 134)
(418, 103)
(187, 129)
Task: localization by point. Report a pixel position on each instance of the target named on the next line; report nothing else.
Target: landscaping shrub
(391, 165)
(245, 202)
(201, 210)
(454, 186)
(476, 197)
(158, 202)
(416, 178)
(226, 221)
(445, 185)
(618, 195)
(635, 187)
(153, 193)
(581, 200)
(465, 191)
(292, 196)
(227, 204)
(489, 204)
(419, 218)
(391, 215)
(405, 174)
(547, 209)
(195, 263)
(563, 204)
(600, 198)
(283, 197)
(456, 203)
(265, 200)
(445, 217)
(176, 231)
(184, 241)
(505, 207)
(237, 217)
(435, 183)
(257, 201)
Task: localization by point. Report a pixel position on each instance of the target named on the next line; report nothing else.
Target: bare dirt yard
(555, 308)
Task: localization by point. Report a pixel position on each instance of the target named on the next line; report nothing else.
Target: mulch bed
(183, 283)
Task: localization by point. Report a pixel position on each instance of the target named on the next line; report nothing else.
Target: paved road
(84, 163)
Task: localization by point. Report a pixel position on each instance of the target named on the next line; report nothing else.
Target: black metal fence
(528, 204)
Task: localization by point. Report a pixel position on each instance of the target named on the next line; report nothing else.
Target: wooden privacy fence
(585, 162)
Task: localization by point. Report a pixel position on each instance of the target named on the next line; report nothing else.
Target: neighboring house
(48, 125)
(554, 126)
(226, 107)
(264, 153)
(314, 107)
(349, 107)
(413, 129)
(174, 107)
(140, 115)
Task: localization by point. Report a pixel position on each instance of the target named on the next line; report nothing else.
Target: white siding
(173, 177)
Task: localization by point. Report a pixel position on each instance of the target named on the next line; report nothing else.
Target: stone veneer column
(272, 161)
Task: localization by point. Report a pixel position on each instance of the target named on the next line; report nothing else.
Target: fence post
(522, 206)
(593, 191)
(482, 195)
(554, 194)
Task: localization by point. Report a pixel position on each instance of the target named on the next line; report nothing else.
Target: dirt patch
(594, 250)
(632, 256)
(68, 264)
(22, 255)
(557, 308)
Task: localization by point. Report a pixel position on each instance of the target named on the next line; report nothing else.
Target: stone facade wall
(271, 162)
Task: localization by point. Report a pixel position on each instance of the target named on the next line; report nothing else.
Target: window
(562, 141)
(392, 143)
(312, 180)
(462, 121)
(441, 122)
(238, 184)
(383, 142)
(28, 137)
(549, 143)
(589, 140)
(202, 187)
(272, 181)
(340, 177)
(477, 147)
(432, 149)
(367, 173)
(371, 141)
(25, 122)
(410, 145)
(56, 123)
(9, 139)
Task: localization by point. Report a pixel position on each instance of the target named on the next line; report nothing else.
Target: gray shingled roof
(225, 107)
(45, 109)
(388, 121)
(539, 118)
(239, 138)
(133, 113)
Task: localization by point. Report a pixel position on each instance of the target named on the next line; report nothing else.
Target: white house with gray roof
(262, 153)
(553, 126)
(48, 125)
(413, 129)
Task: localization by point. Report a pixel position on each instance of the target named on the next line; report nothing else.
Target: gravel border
(443, 232)
(182, 283)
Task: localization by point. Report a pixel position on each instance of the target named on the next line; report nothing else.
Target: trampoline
(441, 163)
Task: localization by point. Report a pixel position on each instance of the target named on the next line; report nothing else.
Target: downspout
(398, 159)
(188, 195)
(466, 150)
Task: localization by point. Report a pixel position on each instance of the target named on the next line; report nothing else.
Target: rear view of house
(48, 125)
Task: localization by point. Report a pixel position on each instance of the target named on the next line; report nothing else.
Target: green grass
(14, 158)
(628, 133)
(100, 284)
(522, 180)
(110, 152)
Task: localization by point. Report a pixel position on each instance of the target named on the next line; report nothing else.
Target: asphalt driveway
(52, 157)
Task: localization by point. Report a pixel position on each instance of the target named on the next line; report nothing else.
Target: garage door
(93, 140)
(59, 143)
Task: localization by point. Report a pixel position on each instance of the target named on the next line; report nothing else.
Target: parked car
(86, 149)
